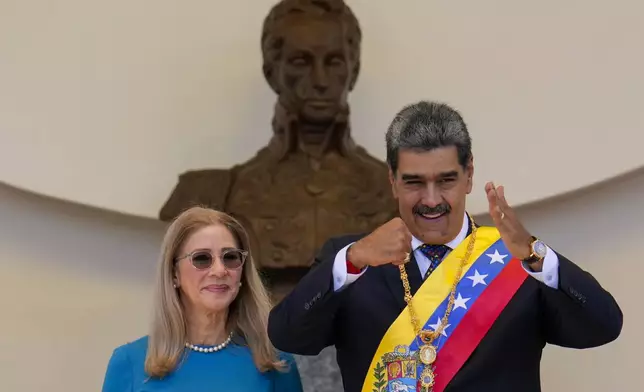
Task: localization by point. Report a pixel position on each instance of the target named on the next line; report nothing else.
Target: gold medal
(427, 354)
(427, 378)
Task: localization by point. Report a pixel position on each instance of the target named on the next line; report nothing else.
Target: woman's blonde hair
(247, 315)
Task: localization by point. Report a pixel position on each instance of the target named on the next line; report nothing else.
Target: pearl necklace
(210, 349)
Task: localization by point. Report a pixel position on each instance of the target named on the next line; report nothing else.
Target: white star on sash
(460, 302)
(438, 323)
(477, 278)
(496, 257)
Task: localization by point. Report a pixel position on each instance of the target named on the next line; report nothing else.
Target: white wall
(75, 282)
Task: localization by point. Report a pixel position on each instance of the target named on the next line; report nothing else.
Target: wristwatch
(538, 249)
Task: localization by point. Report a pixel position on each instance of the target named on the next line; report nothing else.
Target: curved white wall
(106, 103)
(76, 282)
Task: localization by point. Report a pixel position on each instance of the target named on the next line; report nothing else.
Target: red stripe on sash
(476, 322)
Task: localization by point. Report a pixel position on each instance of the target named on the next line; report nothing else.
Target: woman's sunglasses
(203, 259)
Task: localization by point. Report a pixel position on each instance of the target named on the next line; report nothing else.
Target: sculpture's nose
(320, 78)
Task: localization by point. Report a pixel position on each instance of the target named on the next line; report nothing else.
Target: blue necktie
(435, 254)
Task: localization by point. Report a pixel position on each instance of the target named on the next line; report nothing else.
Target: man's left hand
(514, 235)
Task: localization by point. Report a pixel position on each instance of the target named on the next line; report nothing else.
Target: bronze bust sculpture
(312, 181)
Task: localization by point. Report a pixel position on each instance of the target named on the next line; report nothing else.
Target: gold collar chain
(428, 352)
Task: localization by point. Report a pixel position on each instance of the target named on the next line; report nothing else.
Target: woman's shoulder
(125, 367)
(140, 344)
(131, 353)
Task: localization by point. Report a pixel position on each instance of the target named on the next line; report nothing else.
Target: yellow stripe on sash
(427, 299)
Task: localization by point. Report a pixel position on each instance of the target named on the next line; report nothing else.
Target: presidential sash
(489, 280)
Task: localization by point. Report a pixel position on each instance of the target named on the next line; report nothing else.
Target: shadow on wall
(97, 242)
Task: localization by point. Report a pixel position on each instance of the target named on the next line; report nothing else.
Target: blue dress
(231, 369)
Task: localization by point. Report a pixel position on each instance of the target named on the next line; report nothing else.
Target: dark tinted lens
(232, 259)
(202, 260)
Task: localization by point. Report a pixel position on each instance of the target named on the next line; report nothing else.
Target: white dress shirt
(341, 278)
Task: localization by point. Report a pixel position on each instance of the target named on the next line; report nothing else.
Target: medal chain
(427, 337)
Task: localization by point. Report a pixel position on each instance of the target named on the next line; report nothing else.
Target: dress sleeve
(119, 375)
(289, 380)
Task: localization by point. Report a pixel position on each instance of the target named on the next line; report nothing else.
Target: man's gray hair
(424, 126)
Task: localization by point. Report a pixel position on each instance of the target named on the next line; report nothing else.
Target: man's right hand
(388, 244)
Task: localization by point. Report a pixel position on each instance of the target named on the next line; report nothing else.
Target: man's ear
(392, 181)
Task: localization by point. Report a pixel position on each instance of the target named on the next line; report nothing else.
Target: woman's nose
(217, 268)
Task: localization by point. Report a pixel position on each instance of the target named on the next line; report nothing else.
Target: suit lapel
(391, 274)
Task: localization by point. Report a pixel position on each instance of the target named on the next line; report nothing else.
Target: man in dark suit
(355, 297)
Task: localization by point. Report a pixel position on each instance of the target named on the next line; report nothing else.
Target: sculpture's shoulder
(260, 162)
(208, 187)
(379, 167)
(377, 195)
(374, 169)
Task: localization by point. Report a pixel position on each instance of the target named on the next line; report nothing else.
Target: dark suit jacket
(580, 314)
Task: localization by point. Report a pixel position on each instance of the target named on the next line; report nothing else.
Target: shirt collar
(416, 243)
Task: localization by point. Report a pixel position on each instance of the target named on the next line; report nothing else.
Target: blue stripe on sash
(479, 275)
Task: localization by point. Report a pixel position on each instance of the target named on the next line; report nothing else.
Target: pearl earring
(240, 283)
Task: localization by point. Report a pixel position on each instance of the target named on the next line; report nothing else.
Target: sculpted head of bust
(311, 59)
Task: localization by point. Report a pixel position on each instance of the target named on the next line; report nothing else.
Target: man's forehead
(439, 162)
(442, 157)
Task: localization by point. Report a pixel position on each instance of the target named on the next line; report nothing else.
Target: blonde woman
(210, 318)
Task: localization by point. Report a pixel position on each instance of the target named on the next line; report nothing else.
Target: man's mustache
(422, 209)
